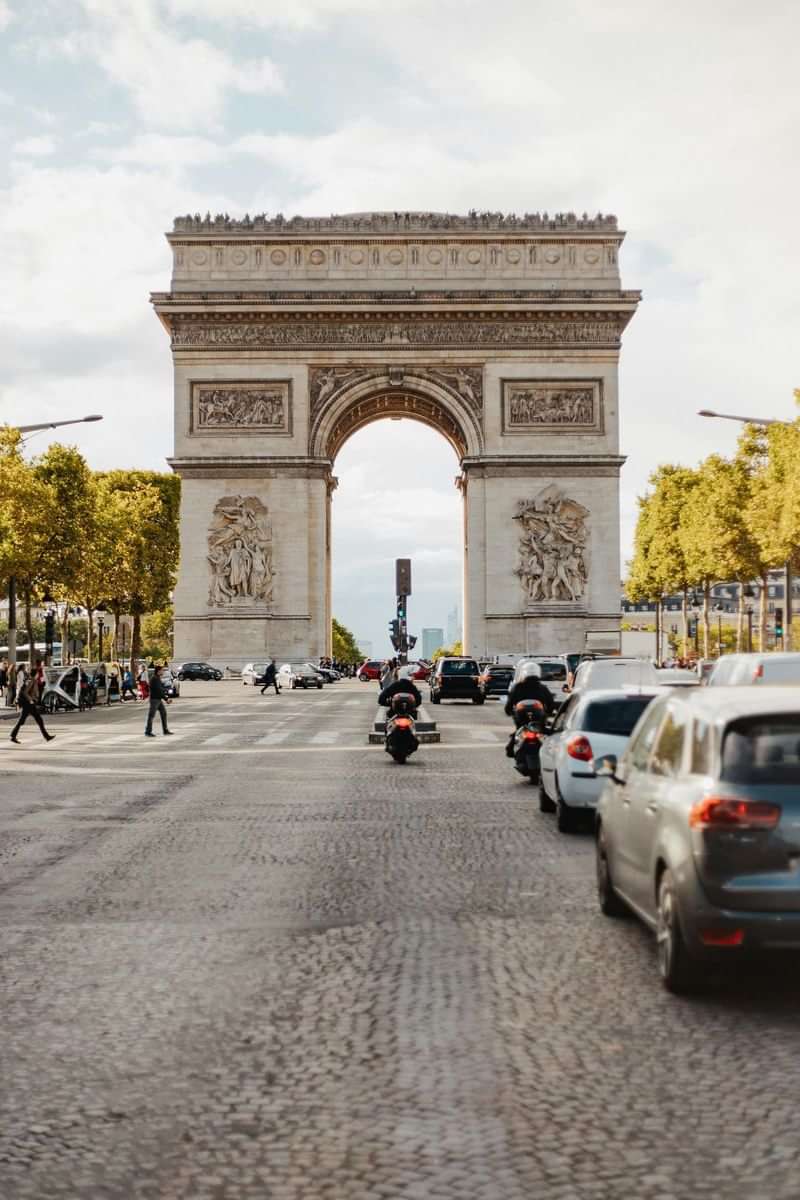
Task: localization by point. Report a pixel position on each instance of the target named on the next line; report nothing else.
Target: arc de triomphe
(289, 335)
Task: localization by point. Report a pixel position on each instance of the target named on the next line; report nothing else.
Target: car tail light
(530, 735)
(759, 672)
(733, 812)
(403, 722)
(581, 748)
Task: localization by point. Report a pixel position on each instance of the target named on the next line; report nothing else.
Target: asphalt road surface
(259, 959)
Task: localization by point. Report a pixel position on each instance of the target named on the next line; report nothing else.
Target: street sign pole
(402, 573)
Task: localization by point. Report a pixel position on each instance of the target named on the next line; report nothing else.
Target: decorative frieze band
(326, 383)
(558, 406)
(569, 329)
(242, 407)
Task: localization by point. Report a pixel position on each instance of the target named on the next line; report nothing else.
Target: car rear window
(507, 671)
(614, 716)
(551, 671)
(762, 750)
(468, 667)
(781, 672)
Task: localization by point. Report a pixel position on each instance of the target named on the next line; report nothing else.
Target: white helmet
(529, 670)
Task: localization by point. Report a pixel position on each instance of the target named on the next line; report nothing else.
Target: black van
(456, 679)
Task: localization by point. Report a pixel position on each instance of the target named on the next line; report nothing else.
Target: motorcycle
(525, 743)
(401, 739)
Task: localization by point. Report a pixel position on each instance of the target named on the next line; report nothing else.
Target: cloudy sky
(682, 118)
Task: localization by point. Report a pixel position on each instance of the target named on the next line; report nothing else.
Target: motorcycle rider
(528, 686)
(403, 683)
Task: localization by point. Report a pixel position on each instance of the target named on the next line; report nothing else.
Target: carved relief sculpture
(228, 407)
(529, 404)
(465, 382)
(552, 548)
(240, 553)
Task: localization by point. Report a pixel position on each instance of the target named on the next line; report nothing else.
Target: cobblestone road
(261, 960)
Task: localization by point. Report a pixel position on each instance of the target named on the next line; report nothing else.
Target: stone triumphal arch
(503, 333)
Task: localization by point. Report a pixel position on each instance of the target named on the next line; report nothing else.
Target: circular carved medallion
(356, 256)
(316, 257)
(238, 258)
(473, 256)
(591, 256)
(395, 256)
(553, 256)
(199, 257)
(278, 257)
(434, 256)
(513, 256)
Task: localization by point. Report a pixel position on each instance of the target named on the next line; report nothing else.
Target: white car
(600, 673)
(253, 673)
(591, 725)
(552, 672)
(677, 677)
(298, 675)
(741, 670)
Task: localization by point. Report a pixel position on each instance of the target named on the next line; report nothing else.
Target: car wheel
(676, 967)
(546, 805)
(565, 817)
(477, 699)
(610, 903)
(319, 687)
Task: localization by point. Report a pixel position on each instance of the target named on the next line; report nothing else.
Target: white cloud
(174, 82)
(6, 15)
(266, 14)
(35, 147)
(162, 150)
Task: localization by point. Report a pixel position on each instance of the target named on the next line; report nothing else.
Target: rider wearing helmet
(528, 685)
(403, 683)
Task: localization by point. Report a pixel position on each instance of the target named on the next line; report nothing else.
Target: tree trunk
(706, 629)
(115, 643)
(658, 631)
(762, 613)
(29, 627)
(89, 632)
(740, 620)
(65, 655)
(685, 615)
(136, 638)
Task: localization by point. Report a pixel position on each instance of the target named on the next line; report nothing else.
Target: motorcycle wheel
(399, 758)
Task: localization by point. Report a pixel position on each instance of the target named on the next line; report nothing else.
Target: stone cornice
(541, 465)
(383, 224)
(263, 466)
(470, 300)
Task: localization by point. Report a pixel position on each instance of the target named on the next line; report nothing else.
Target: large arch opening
(396, 497)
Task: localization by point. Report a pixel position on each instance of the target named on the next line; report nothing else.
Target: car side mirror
(606, 768)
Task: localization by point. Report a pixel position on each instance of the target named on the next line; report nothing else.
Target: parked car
(601, 673)
(370, 670)
(455, 679)
(677, 677)
(419, 670)
(298, 675)
(588, 727)
(495, 680)
(253, 673)
(319, 672)
(198, 670)
(704, 667)
(739, 670)
(698, 827)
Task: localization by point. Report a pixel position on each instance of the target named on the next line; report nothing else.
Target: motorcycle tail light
(403, 722)
(581, 748)
(733, 812)
(530, 735)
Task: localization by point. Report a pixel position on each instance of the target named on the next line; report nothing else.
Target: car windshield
(615, 716)
(468, 667)
(762, 750)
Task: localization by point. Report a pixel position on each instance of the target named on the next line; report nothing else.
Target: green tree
(157, 634)
(345, 648)
(454, 651)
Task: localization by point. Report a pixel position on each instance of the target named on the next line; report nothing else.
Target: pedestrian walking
(158, 696)
(271, 678)
(143, 681)
(27, 696)
(127, 686)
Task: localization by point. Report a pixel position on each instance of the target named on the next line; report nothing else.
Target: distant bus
(39, 650)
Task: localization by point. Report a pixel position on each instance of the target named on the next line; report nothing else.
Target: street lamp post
(787, 570)
(12, 583)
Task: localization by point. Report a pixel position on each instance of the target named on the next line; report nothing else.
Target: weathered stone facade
(503, 333)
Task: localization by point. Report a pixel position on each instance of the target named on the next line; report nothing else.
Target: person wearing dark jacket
(271, 678)
(158, 694)
(529, 687)
(396, 686)
(27, 699)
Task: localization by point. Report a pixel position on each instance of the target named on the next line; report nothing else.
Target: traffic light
(49, 628)
(412, 641)
(402, 571)
(401, 608)
(778, 622)
(394, 633)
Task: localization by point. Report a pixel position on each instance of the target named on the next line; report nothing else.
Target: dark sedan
(495, 681)
(198, 670)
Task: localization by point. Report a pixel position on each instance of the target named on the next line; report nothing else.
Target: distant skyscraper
(432, 639)
(453, 626)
